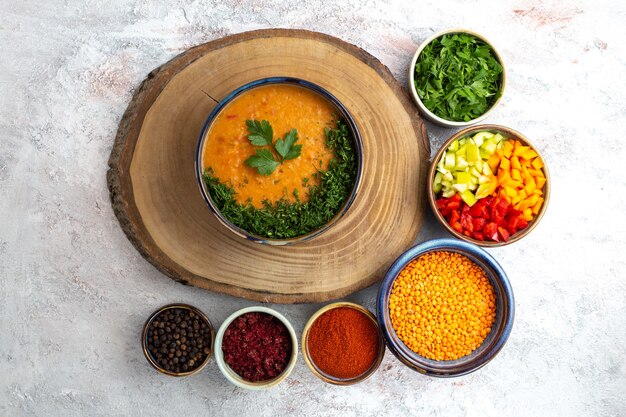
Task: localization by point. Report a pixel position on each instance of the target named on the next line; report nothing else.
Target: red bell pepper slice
(511, 229)
(491, 231)
(479, 209)
(444, 210)
(504, 233)
(453, 205)
(517, 223)
(479, 224)
(513, 213)
(455, 216)
(501, 207)
(466, 222)
(497, 218)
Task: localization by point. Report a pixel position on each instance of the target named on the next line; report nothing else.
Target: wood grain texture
(156, 198)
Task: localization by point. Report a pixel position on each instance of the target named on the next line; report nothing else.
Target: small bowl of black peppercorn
(178, 340)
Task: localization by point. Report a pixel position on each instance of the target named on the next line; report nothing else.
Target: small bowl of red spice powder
(342, 343)
(256, 348)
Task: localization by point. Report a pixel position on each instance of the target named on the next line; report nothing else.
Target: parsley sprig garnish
(457, 77)
(263, 161)
(286, 148)
(262, 134)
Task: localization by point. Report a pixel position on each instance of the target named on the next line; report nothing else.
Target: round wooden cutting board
(158, 203)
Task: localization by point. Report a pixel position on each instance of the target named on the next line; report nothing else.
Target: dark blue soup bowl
(500, 331)
(341, 112)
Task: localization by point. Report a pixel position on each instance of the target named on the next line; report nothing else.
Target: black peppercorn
(172, 347)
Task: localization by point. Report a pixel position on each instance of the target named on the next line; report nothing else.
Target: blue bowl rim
(279, 80)
(412, 359)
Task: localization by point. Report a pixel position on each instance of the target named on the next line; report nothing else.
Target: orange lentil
(442, 305)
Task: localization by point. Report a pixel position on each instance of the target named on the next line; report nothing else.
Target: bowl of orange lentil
(446, 308)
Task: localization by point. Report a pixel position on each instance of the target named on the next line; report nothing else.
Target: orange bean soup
(286, 107)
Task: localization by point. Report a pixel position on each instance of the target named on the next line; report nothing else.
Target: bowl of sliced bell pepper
(489, 185)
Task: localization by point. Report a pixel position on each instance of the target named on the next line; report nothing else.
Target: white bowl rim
(432, 116)
(230, 374)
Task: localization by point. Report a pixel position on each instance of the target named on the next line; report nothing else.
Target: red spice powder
(257, 346)
(343, 342)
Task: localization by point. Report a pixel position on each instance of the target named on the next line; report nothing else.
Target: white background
(74, 292)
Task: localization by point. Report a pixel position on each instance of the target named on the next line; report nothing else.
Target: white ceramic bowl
(231, 375)
(422, 108)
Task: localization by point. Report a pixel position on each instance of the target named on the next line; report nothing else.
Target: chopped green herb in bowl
(456, 78)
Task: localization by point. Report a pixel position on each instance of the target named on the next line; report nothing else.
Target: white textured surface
(74, 293)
